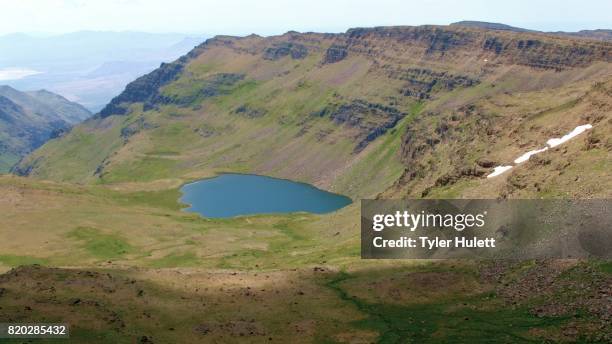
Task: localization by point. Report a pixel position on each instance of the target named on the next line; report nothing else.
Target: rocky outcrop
(212, 86)
(335, 53)
(533, 49)
(486, 163)
(135, 127)
(546, 54)
(433, 39)
(143, 89)
(249, 111)
(417, 142)
(452, 131)
(422, 82)
(454, 176)
(26, 169)
(146, 89)
(59, 132)
(371, 119)
(279, 50)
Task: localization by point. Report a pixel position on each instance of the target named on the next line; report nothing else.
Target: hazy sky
(278, 16)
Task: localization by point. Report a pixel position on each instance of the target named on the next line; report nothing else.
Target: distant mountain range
(88, 67)
(29, 119)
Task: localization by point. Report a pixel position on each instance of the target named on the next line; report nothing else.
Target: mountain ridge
(600, 34)
(167, 71)
(339, 102)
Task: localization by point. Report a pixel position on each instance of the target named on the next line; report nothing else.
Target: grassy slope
(174, 276)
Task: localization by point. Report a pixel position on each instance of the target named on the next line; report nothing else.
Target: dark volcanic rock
(250, 112)
(421, 82)
(142, 89)
(59, 132)
(486, 163)
(372, 119)
(535, 50)
(434, 39)
(460, 173)
(335, 53)
(544, 54)
(215, 85)
(25, 170)
(280, 50)
(135, 127)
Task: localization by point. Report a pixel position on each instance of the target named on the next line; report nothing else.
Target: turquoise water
(230, 195)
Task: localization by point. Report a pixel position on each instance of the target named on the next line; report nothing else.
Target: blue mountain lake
(230, 195)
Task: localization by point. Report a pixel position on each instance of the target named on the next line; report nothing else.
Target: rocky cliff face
(280, 50)
(429, 105)
(535, 50)
(371, 119)
(513, 47)
(144, 89)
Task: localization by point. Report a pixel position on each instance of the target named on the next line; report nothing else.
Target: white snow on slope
(577, 131)
(550, 144)
(527, 155)
(499, 170)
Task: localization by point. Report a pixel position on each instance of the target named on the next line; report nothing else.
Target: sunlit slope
(60, 224)
(407, 110)
(134, 266)
(451, 149)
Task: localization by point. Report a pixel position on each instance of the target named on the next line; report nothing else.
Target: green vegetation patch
(101, 245)
(478, 318)
(14, 260)
(189, 90)
(173, 260)
(166, 199)
(145, 169)
(605, 267)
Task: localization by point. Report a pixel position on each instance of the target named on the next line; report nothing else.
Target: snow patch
(554, 142)
(577, 131)
(528, 155)
(498, 170)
